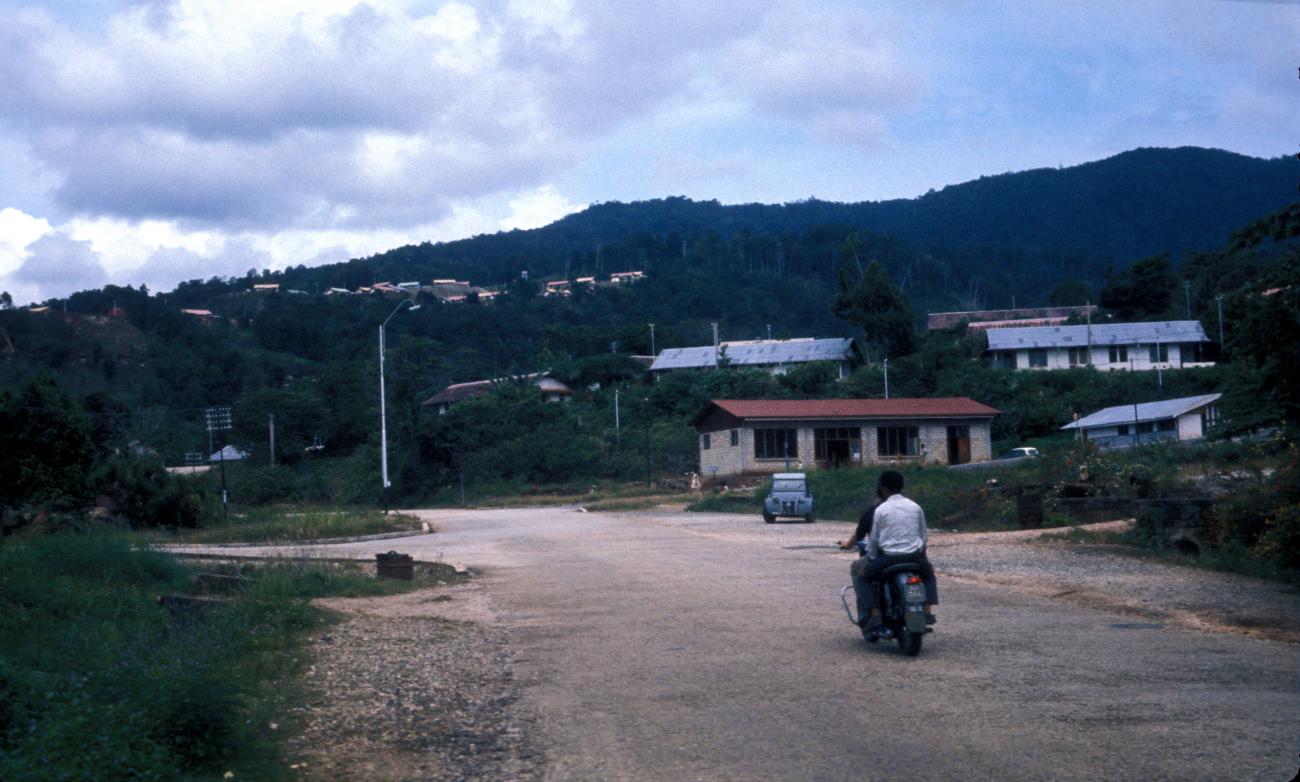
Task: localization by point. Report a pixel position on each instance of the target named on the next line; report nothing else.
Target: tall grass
(98, 682)
(278, 524)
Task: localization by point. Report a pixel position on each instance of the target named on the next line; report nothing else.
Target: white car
(1025, 452)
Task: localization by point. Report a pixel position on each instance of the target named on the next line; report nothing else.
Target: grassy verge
(596, 495)
(98, 681)
(1228, 559)
(276, 524)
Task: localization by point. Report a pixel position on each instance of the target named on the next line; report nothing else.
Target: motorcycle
(902, 611)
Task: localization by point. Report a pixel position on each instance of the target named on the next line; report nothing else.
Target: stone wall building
(738, 436)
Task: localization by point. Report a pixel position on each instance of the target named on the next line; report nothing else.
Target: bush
(147, 495)
(1279, 539)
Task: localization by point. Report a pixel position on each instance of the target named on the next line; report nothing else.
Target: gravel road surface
(673, 646)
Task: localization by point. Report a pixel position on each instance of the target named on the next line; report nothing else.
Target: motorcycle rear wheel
(909, 641)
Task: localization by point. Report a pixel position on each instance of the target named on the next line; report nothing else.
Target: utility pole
(383, 404)
(1219, 300)
(769, 332)
(715, 345)
(617, 424)
(1187, 293)
(652, 340)
(885, 364)
(1160, 373)
(1087, 308)
(271, 423)
(1133, 391)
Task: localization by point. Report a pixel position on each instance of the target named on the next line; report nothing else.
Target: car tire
(768, 518)
(808, 519)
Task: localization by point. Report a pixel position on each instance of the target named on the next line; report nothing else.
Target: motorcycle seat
(904, 567)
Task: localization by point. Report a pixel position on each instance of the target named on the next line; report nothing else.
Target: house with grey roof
(552, 390)
(1170, 344)
(774, 355)
(1183, 419)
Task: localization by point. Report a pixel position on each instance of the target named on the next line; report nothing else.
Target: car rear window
(787, 485)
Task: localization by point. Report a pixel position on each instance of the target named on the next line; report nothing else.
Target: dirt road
(683, 646)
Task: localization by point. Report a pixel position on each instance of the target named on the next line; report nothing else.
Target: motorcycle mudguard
(913, 598)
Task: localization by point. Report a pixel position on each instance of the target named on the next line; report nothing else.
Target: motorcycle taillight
(913, 579)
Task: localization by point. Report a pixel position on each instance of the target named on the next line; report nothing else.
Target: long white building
(1170, 344)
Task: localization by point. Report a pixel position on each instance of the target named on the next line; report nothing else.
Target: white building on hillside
(1170, 344)
(775, 355)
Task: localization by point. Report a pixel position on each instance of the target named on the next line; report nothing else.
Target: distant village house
(1184, 419)
(552, 390)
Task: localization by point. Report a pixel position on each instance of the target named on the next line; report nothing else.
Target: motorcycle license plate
(915, 593)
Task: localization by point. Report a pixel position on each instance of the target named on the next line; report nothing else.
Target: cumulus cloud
(364, 114)
(837, 75)
(17, 231)
(537, 208)
(56, 265)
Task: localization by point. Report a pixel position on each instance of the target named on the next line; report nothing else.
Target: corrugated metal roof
(1146, 411)
(759, 352)
(1103, 334)
(940, 407)
(458, 392)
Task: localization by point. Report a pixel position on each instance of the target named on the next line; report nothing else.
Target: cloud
(838, 75)
(537, 208)
(17, 232)
(56, 265)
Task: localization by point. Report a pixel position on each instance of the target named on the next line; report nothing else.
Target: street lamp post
(383, 406)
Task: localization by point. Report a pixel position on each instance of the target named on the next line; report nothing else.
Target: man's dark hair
(892, 481)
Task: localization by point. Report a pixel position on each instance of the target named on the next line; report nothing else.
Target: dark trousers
(866, 578)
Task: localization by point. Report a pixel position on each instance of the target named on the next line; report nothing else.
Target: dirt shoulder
(1106, 577)
(414, 686)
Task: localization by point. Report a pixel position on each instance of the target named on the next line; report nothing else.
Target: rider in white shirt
(898, 535)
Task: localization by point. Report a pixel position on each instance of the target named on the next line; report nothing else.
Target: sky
(156, 141)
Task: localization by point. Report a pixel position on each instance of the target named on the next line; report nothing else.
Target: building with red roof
(739, 436)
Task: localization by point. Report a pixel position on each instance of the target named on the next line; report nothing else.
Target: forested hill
(1133, 204)
(1056, 222)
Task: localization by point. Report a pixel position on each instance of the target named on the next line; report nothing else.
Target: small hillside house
(775, 355)
(1171, 344)
(552, 390)
(739, 436)
(1187, 418)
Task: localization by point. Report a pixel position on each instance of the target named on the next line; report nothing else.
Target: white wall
(1059, 358)
(1189, 426)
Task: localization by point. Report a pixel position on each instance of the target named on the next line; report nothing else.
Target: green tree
(1071, 292)
(1143, 290)
(45, 446)
(874, 304)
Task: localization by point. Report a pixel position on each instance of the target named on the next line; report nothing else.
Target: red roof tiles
(941, 407)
